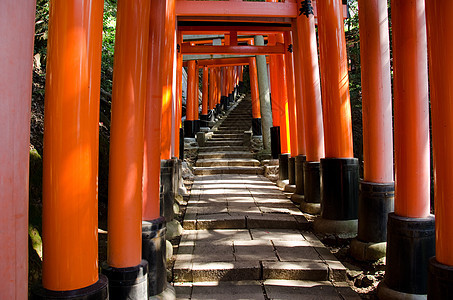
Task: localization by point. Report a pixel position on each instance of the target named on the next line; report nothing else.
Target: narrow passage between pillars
(339, 170)
(265, 101)
(410, 232)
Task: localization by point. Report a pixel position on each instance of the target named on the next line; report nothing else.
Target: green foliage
(108, 44)
(41, 28)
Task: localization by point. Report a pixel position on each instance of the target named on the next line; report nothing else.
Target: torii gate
(70, 265)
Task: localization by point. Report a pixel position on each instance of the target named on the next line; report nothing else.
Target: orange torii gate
(70, 263)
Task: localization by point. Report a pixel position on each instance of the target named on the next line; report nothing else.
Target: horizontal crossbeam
(236, 8)
(222, 62)
(243, 50)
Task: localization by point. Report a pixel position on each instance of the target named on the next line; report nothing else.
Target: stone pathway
(244, 239)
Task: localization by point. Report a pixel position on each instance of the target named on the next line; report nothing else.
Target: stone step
(228, 135)
(232, 154)
(238, 119)
(222, 138)
(232, 255)
(267, 289)
(227, 162)
(214, 143)
(236, 126)
(234, 130)
(244, 218)
(222, 149)
(227, 170)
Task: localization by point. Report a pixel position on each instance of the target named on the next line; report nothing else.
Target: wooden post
(17, 20)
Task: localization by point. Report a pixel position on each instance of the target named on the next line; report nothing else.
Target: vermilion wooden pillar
(177, 125)
(70, 165)
(307, 76)
(16, 20)
(230, 80)
(190, 99)
(410, 232)
(283, 99)
(153, 113)
(219, 90)
(339, 170)
(275, 96)
(255, 93)
(70, 261)
(167, 82)
(224, 88)
(205, 98)
(153, 225)
(440, 46)
(294, 135)
(377, 188)
(298, 195)
(196, 106)
(212, 89)
(127, 149)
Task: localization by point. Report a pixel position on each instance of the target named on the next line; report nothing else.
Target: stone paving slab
(296, 270)
(253, 250)
(226, 271)
(309, 290)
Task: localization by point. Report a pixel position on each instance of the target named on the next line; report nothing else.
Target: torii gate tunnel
(300, 106)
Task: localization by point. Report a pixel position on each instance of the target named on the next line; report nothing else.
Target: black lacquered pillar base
(440, 280)
(196, 127)
(298, 195)
(97, 291)
(224, 102)
(410, 245)
(181, 143)
(127, 283)
(189, 129)
(376, 201)
(339, 197)
(154, 251)
(256, 126)
(218, 109)
(167, 173)
(283, 166)
(204, 121)
(292, 171)
(275, 142)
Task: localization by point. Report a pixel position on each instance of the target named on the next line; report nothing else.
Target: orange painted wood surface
(70, 163)
(127, 134)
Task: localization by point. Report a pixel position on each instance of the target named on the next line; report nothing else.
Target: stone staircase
(226, 152)
(243, 237)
